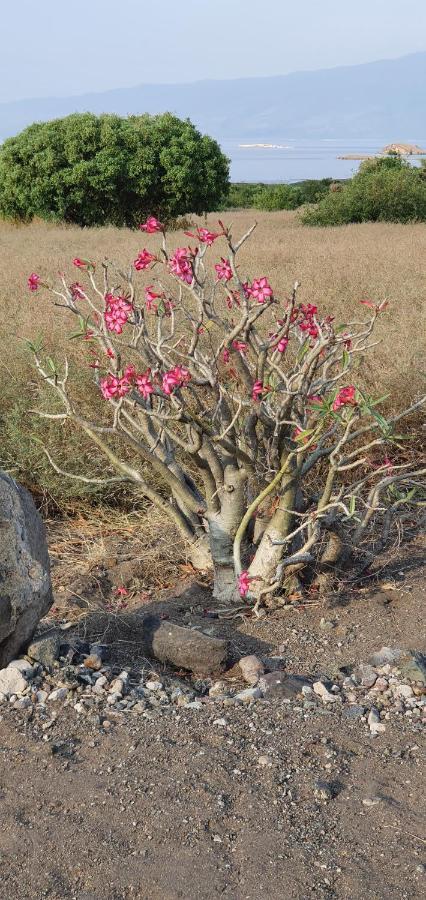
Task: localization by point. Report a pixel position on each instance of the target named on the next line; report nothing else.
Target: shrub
(95, 170)
(272, 197)
(384, 190)
(234, 412)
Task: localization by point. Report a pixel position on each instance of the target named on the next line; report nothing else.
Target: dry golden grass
(336, 266)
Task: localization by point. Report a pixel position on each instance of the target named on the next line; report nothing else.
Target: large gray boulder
(25, 587)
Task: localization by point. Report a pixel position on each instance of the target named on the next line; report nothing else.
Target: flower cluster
(113, 387)
(117, 312)
(181, 264)
(151, 226)
(77, 291)
(143, 260)
(345, 397)
(204, 236)
(33, 281)
(175, 378)
(308, 312)
(244, 583)
(223, 270)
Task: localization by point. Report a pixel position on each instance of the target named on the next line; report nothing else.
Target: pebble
(321, 690)
(58, 694)
(374, 723)
(23, 666)
(371, 801)
(218, 689)
(323, 790)
(22, 703)
(265, 762)
(354, 712)
(93, 662)
(221, 722)
(278, 684)
(253, 693)
(45, 649)
(403, 690)
(366, 675)
(154, 685)
(12, 681)
(251, 668)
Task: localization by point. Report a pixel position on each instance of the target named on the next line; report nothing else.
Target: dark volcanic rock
(25, 587)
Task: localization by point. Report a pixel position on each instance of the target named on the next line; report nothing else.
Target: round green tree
(95, 170)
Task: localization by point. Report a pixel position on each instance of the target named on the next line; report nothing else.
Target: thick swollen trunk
(222, 530)
(271, 549)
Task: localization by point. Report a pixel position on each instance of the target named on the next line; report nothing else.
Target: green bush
(96, 170)
(384, 190)
(270, 197)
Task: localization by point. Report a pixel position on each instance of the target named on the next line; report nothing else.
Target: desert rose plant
(271, 462)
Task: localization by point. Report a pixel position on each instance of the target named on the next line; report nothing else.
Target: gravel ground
(277, 798)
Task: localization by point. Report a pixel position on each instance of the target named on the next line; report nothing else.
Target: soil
(223, 801)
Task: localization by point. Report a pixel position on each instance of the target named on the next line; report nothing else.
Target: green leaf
(303, 351)
(346, 359)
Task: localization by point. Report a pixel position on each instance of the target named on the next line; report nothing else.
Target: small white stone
(58, 694)
(403, 690)
(221, 722)
(23, 666)
(113, 698)
(41, 696)
(374, 723)
(321, 690)
(12, 681)
(154, 685)
(22, 703)
(116, 686)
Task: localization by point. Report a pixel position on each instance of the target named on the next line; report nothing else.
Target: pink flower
(113, 387)
(241, 346)
(175, 378)
(260, 290)
(116, 313)
(151, 225)
(244, 583)
(77, 291)
(257, 390)
(129, 373)
(83, 263)
(33, 281)
(143, 260)
(282, 345)
(150, 298)
(144, 384)
(181, 264)
(121, 591)
(226, 355)
(223, 270)
(110, 353)
(345, 397)
(204, 236)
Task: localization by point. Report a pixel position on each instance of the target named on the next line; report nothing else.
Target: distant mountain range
(385, 99)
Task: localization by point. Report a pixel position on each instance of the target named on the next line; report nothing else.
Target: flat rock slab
(184, 647)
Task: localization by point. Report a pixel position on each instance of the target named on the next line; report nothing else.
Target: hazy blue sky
(55, 47)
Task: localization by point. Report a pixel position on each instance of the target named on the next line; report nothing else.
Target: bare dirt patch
(240, 801)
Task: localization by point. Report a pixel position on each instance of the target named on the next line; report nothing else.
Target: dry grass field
(336, 267)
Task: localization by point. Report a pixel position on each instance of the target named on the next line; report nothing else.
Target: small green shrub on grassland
(384, 190)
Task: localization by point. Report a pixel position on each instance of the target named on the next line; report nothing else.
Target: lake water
(300, 159)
